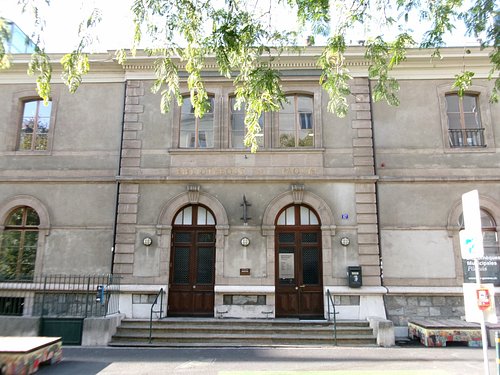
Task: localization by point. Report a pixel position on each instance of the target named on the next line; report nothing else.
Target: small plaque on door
(286, 266)
(244, 271)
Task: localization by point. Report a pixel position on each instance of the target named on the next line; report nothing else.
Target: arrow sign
(470, 246)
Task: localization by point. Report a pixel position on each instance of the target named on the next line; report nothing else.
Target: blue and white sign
(471, 246)
(471, 239)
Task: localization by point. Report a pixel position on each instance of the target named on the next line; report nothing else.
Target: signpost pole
(471, 245)
(483, 324)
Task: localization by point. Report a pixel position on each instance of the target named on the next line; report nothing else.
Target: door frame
(298, 291)
(198, 294)
(192, 195)
(298, 195)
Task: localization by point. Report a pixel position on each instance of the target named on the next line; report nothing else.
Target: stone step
(142, 329)
(253, 323)
(237, 332)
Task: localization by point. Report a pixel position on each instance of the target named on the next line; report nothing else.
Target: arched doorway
(299, 278)
(192, 263)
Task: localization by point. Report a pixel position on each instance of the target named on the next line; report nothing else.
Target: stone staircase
(170, 332)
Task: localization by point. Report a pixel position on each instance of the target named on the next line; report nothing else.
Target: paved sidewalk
(415, 360)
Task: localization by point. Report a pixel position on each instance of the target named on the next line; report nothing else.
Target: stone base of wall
(400, 308)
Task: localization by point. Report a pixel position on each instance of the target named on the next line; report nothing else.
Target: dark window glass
(183, 237)
(464, 121)
(181, 265)
(238, 129)
(196, 132)
(19, 244)
(205, 265)
(296, 127)
(206, 237)
(35, 125)
(310, 265)
(286, 237)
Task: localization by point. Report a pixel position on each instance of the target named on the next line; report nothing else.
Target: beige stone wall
(73, 182)
(422, 181)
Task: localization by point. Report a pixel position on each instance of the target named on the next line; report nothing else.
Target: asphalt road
(415, 360)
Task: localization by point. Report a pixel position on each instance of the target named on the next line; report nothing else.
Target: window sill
(244, 151)
(31, 152)
(470, 149)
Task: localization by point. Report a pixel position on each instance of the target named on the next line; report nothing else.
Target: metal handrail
(330, 301)
(160, 294)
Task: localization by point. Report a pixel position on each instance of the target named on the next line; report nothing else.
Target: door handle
(296, 288)
(194, 286)
(302, 286)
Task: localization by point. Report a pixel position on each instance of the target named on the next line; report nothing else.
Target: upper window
(464, 121)
(194, 215)
(296, 127)
(238, 129)
(35, 126)
(19, 244)
(196, 132)
(297, 215)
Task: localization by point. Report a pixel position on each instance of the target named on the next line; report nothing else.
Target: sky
(116, 28)
(64, 16)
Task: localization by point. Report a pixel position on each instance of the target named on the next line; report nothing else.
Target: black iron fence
(61, 296)
(466, 137)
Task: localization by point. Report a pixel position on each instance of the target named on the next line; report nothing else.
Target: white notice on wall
(287, 266)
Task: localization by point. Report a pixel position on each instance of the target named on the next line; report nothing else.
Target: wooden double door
(299, 279)
(192, 272)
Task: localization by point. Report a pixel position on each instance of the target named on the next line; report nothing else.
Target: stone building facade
(174, 202)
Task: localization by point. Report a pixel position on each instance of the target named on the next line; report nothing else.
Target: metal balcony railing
(466, 137)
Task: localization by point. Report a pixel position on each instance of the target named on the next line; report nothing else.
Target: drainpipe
(375, 171)
(117, 178)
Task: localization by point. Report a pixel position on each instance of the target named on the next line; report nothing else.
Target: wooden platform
(439, 332)
(23, 355)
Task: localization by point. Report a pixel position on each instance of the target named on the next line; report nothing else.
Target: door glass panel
(206, 237)
(205, 217)
(310, 265)
(182, 237)
(181, 265)
(210, 219)
(185, 217)
(286, 237)
(286, 265)
(205, 265)
(290, 216)
(310, 237)
(287, 217)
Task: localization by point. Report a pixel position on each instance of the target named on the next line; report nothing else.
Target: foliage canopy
(245, 36)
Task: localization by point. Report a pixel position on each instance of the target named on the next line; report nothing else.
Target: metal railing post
(330, 300)
(87, 297)
(497, 347)
(160, 294)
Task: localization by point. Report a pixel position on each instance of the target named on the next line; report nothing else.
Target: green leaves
(259, 90)
(40, 64)
(246, 41)
(383, 58)
(335, 77)
(75, 66)
(167, 82)
(4, 37)
(463, 82)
